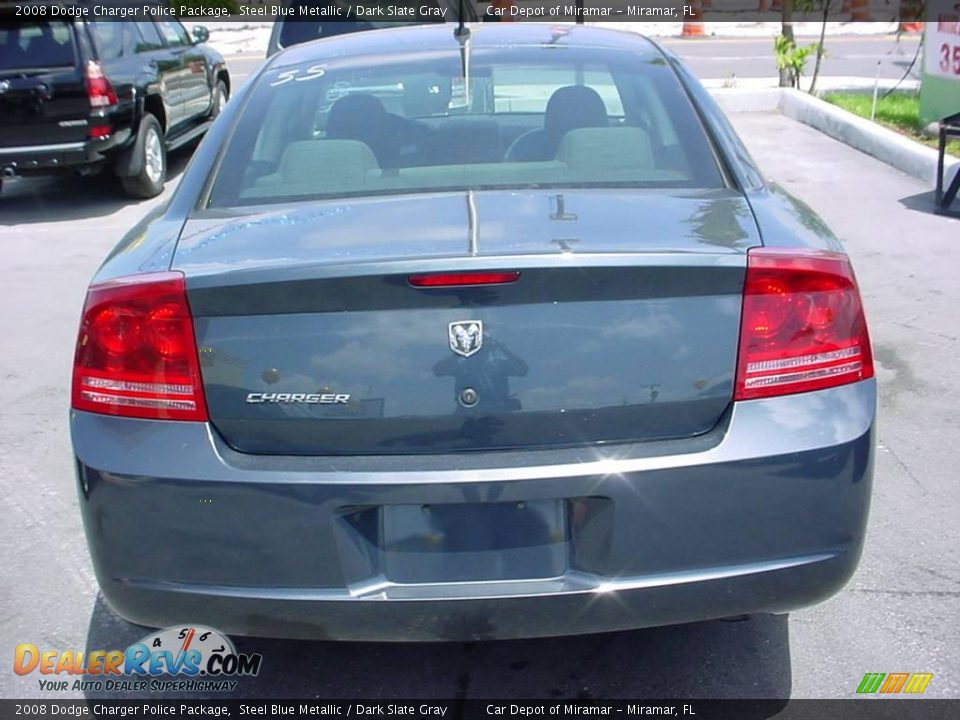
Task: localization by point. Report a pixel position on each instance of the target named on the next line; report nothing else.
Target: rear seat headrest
(327, 161)
(609, 147)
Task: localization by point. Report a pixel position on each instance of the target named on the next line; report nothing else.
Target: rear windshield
(517, 118)
(35, 44)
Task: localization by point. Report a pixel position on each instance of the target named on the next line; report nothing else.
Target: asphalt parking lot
(899, 613)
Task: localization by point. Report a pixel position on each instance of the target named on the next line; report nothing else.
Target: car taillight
(802, 326)
(136, 354)
(99, 90)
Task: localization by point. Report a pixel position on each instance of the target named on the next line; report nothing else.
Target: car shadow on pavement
(737, 659)
(28, 200)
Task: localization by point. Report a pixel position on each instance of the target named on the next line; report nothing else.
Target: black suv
(82, 94)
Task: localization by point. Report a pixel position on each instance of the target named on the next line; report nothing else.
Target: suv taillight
(136, 354)
(802, 326)
(99, 90)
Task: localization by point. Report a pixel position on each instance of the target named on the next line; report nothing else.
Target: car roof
(414, 39)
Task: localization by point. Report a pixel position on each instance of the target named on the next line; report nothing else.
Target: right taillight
(802, 326)
(99, 90)
(136, 353)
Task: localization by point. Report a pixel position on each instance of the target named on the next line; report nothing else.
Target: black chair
(949, 127)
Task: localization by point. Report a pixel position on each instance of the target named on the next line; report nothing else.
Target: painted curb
(900, 152)
(891, 147)
(737, 100)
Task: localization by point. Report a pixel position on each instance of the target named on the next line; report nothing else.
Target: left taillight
(136, 352)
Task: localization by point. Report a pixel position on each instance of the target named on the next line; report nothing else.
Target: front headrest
(571, 107)
(352, 114)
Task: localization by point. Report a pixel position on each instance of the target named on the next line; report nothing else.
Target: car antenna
(462, 31)
(462, 34)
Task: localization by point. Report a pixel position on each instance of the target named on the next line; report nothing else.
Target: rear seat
(466, 140)
(320, 166)
(608, 148)
(331, 166)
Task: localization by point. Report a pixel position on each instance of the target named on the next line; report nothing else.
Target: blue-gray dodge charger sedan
(474, 335)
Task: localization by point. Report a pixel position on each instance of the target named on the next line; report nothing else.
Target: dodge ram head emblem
(4, 86)
(466, 336)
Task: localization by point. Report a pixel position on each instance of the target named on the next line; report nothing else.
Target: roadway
(722, 58)
(846, 56)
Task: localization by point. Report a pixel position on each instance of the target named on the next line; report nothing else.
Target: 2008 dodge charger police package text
(465, 336)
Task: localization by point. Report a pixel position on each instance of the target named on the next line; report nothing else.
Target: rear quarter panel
(786, 221)
(782, 219)
(149, 246)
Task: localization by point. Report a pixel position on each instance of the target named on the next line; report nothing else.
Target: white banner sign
(942, 51)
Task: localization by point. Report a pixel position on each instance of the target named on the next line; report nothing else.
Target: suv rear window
(35, 44)
(523, 117)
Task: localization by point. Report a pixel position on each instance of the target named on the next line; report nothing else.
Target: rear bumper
(766, 513)
(53, 158)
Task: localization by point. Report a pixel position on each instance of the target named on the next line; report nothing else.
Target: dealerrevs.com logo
(199, 658)
(893, 683)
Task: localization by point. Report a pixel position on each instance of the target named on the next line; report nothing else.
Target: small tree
(824, 6)
(787, 78)
(791, 60)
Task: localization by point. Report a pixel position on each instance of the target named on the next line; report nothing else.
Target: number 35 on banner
(949, 58)
(943, 39)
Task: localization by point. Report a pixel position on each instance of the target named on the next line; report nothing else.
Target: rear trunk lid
(44, 95)
(622, 325)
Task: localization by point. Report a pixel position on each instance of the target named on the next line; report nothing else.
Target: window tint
(148, 38)
(524, 117)
(109, 38)
(173, 32)
(528, 88)
(35, 44)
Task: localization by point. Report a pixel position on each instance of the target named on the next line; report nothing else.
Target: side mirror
(200, 34)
